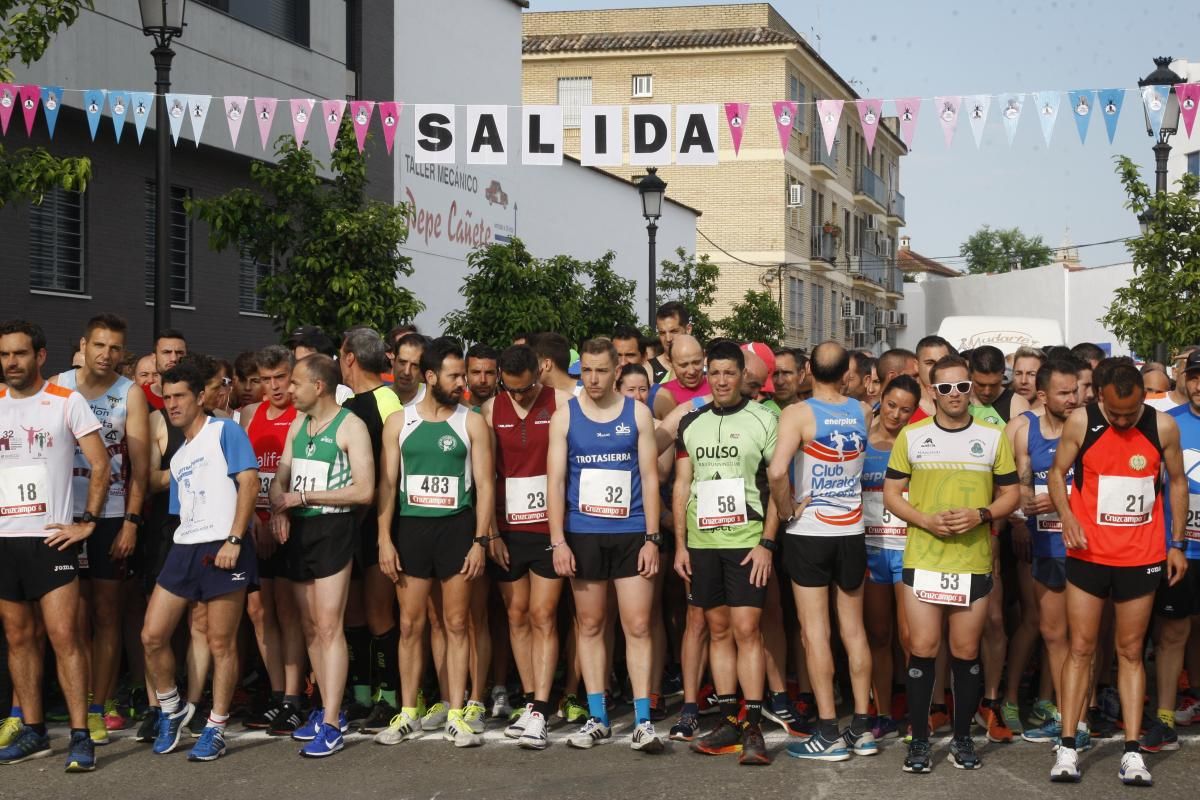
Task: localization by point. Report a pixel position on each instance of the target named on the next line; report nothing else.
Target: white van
(1006, 333)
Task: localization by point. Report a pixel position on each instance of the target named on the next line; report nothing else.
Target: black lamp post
(163, 20)
(1162, 75)
(652, 189)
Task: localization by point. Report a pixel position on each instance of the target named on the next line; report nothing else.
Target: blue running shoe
(1049, 732)
(862, 744)
(308, 731)
(818, 748)
(210, 746)
(81, 753)
(170, 726)
(28, 744)
(783, 713)
(327, 742)
(885, 728)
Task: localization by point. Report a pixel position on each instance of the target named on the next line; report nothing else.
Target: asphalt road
(257, 766)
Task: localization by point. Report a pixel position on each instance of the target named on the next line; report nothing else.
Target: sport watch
(985, 515)
(237, 540)
(482, 541)
(654, 539)
(770, 545)
(88, 517)
(1174, 545)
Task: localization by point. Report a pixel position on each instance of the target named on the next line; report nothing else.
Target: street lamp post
(163, 20)
(1162, 75)
(652, 189)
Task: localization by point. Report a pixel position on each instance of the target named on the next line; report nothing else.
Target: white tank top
(828, 470)
(112, 409)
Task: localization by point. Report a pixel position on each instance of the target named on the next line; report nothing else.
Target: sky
(932, 47)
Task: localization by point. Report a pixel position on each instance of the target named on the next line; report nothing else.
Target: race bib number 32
(605, 493)
(1124, 502)
(432, 491)
(720, 503)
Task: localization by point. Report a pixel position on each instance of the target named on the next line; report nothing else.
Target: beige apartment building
(819, 231)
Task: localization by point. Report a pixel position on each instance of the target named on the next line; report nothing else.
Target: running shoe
(918, 760)
(210, 746)
(818, 748)
(357, 712)
(136, 703)
(987, 718)
(1110, 703)
(379, 718)
(685, 729)
(1042, 712)
(885, 728)
(1133, 770)
(672, 685)
(939, 720)
(473, 715)
(435, 717)
(533, 736)
(1066, 766)
(286, 721)
(459, 731)
(754, 748)
(592, 731)
(516, 728)
(327, 742)
(722, 740)
(1157, 737)
(9, 729)
(658, 708)
(263, 719)
(1049, 732)
(1100, 726)
(783, 714)
(1187, 710)
(170, 727)
(308, 731)
(862, 744)
(645, 739)
(114, 720)
(148, 729)
(199, 722)
(96, 728)
(401, 727)
(1010, 715)
(570, 711)
(707, 699)
(81, 753)
(26, 745)
(962, 753)
(500, 702)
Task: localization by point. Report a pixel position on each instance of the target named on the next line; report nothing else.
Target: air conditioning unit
(858, 325)
(848, 310)
(860, 340)
(795, 195)
(871, 223)
(881, 316)
(885, 248)
(854, 266)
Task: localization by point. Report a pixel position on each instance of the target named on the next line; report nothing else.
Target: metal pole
(1162, 152)
(162, 237)
(652, 229)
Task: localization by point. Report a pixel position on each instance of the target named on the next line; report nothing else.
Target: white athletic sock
(169, 700)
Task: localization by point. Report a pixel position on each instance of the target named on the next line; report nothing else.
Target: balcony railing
(896, 207)
(824, 245)
(880, 270)
(817, 154)
(871, 185)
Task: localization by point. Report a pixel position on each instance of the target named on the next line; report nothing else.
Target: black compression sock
(921, 675)
(728, 704)
(861, 723)
(968, 680)
(754, 712)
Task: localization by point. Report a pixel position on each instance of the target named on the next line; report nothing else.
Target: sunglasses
(518, 389)
(962, 387)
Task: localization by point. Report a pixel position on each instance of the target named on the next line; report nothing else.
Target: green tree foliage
(1161, 303)
(334, 254)
(1001, 250)
(509, 291)
(693, 282)
(757, 318)
(26, 29)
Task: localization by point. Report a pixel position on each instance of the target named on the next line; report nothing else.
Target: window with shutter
(56, 243)
(180, 228)
(572, 94)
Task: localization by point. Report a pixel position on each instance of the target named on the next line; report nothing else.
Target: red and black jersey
(521, 445)
(1117, 493)
(267, 437)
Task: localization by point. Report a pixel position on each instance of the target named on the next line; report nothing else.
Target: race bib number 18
(605, 493)
(24, 491)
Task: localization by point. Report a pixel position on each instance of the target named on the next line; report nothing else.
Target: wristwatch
(985, 515)
(1177, 545)
(136, 519)
(482, 541)
(234, 540)
(770, 544)
(654, 539)
(87, 517)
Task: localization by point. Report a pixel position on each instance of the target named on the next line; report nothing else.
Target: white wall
(1076, 300)
(474, 56)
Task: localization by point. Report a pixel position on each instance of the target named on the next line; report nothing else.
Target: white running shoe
(1133, 771)
(645, 739)
(473, 715)
(517, 727)
(401, 727)
(435, 717)
(458, 730)
(500, 706)
(592, 731)
(534, 735)
(1066, 766)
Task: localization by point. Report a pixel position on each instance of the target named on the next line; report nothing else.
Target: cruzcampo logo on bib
(1137, 461)
(447, 443)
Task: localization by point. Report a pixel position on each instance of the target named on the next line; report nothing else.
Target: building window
(1193, 163)
(252, 272)
(180, 228)
(56, 242)
(287, 19)
(817, 331)
(643, 85)
(572, 94)
(795, 303)
(796, 93)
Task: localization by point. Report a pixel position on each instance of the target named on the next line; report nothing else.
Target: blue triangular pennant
(51, 103)
(1082, 101)
(118, 104)
(1010, 112)
(93, 106)
(177, 109)
(1047, 109)
(1111, 101)
(143, 107)
(1154, 98)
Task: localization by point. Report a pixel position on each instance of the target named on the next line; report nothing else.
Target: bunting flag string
(8, 99)
(118, 104)
(360, 118)
(389, 116)
(264, 111)
(785, 118)
(142, 103)
(1011, 105)
(735, 117)
(177, 109)
(1111, 101)
(1047, 106)
(331, 114)
(869, 112)
(51, 102)
(235, 112)
(30, 95)
(198, 113)
(1189, 97)
(1082, 101)
(830, 113)
(301, 110)
(1154, 98)
(948, 116)
(93, 106)
(977, 115)
(907, 110)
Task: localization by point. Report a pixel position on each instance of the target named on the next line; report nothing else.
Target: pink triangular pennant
(302, 109)
(947, 111)
(360, 117)
(870, 110)
(389, 117)
(735, 117)
(331, 114)
(235, 112)
(264, 111)
(31, 95)
(907, 109)
(1188, 95)
(8, 99)
(830, 113)
(785, 117)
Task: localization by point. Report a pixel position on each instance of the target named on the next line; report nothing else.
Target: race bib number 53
(942, 588)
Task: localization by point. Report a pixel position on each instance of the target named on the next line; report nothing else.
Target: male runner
(725, 539)
(858, 378)
(214, 481)
(1026, 362)
(247, 389)
(895, 362)
(437, 485)
(959, 474)
(482, 373)
(272, 609)
(553, 353)
(326, 469)
(824, 440)
(169, 347)
(409, 382)
(689, 383)
(522, 564)
(787, 377)
(672, 319)
(930, 350)
(41, 425)
(604, 515)
(145, 372)
(125, 431)
(1112, 527)
(990, 400)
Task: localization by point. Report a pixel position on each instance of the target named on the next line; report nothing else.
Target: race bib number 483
(605, 493)
(432, 491)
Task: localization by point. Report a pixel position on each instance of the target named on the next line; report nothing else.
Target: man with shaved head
(687, 361)
(754, 377)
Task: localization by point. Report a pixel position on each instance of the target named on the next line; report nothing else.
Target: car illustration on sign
(495, 195)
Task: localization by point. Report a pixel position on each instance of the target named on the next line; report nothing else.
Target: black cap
(312, 337)
(1193, 361)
